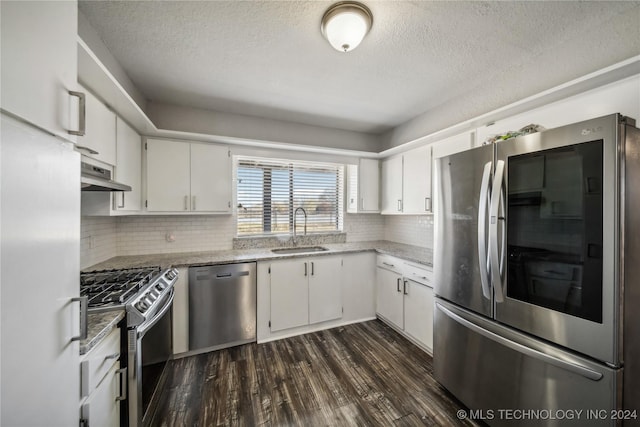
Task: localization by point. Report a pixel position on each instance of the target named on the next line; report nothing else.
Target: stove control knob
(170, 274)
(141, 306)
(160, 286)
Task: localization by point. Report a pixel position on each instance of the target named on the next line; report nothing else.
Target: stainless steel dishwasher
(222, 306)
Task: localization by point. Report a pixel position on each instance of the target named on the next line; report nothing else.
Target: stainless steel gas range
(146, 295)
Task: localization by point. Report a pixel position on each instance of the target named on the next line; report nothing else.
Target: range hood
(95, 178)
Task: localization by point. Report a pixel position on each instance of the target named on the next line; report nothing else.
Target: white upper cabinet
(392, 185)
(128, 170)
(363, 191)
(416, 181)
(39, 63)
(406, 183)
(99, 140)
(188, 177)
(210, 178)
(128, 167)
(168, 175)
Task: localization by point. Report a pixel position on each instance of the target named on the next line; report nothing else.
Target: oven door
(153, 344)
(554, 251)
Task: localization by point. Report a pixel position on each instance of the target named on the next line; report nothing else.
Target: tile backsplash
(103, 238)
(414, 230)
(97, 240)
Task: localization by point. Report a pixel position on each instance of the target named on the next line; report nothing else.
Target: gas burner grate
(108, 288)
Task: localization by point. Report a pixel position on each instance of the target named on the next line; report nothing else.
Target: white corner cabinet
(103, 384)
(363, 187)
(187, 177)
(127, 170)
(404, 298)
(406, 183)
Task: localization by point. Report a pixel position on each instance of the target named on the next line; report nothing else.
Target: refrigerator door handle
(482, 226)
(520, 348)
(496, 261)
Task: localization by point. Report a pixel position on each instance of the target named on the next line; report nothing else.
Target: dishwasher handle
(230, 275)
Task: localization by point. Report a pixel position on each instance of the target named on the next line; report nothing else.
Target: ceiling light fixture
(345, 24)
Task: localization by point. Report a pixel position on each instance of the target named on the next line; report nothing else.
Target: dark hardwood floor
(364, 374)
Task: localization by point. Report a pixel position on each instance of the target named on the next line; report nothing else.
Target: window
(270, 190)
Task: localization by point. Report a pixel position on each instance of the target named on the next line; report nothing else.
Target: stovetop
(115, 288)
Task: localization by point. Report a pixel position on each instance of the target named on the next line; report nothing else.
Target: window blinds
(270, 190)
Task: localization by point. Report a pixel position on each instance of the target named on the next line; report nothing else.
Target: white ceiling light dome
(345, 24)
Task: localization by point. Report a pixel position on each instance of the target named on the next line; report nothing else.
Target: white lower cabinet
(404, 298)
(102, 383)
(418, 312)
(389, 299)
(289, 294)
(305, 291)
(359, 286)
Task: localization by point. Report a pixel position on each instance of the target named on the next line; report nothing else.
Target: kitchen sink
(300, 250)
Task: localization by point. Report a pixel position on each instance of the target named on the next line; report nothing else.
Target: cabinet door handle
(193, 203)
(112, 356)
(312, 268)
(398, 285)
(186, 203)
(121, 205)
(84, 304)
(387, 264)
(123, 384)
(82, 114)
(305, 268)
(362, 203)
(87, 149)
(399, 205)
(427, 204)
(404, 288)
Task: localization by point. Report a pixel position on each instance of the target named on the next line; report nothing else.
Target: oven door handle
(144, 328)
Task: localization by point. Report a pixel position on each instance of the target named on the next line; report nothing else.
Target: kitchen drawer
(389, 263)
(97, 362)
(418, 274)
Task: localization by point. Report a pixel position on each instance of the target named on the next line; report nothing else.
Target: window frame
(292, 166)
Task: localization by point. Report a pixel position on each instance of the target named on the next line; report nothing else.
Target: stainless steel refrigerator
(536, 264)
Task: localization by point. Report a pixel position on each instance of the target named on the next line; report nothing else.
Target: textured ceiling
(269, 59)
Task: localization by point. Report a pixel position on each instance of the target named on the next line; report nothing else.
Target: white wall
(586, 97)
(88, 34)
(186, 119)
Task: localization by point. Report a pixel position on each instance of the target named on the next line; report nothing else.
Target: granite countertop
(185, 259)
(99, 326)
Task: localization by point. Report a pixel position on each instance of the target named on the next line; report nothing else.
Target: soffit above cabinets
(268, 59)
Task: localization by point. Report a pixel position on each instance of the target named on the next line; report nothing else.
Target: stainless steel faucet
(295, 213)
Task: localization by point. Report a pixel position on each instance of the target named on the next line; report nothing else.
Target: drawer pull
(123, 384)
(112, 356)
